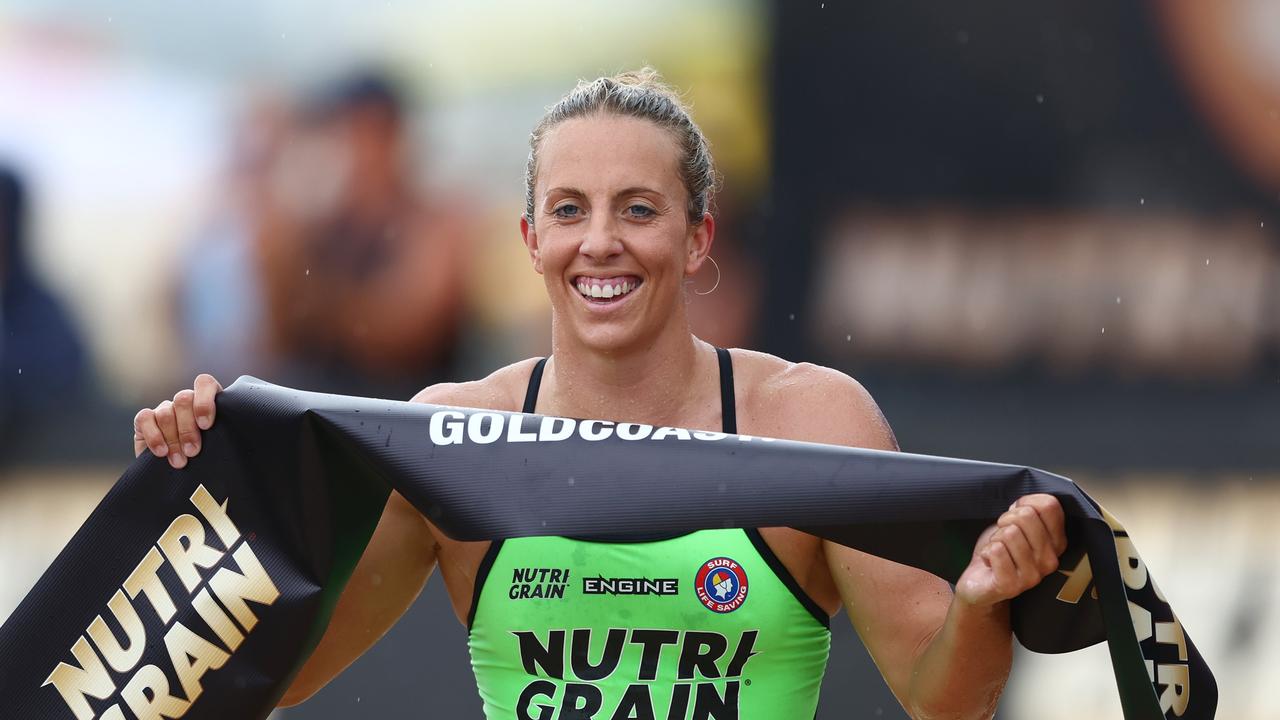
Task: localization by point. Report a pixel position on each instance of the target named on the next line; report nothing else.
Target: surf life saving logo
(721, 585)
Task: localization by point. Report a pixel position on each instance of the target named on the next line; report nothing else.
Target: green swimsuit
(704, 626)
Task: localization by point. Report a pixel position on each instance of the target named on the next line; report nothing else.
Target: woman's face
(610, 233)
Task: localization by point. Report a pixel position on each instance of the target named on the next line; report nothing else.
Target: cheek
(554, 257)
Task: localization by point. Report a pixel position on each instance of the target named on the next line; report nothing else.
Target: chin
(610, 339)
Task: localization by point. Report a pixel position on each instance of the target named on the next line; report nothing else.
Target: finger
(1051, 514)
(184, 413)
(1004, 573)
(168, 424)
(1033, 527)
(206, 388)
(1024, 557)
(147, 434)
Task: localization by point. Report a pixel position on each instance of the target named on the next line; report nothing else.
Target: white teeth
(592, 290)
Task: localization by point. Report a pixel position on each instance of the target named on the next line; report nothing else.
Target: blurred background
(1040, 233)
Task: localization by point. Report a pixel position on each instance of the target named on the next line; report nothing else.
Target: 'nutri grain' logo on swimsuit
(535, 582)
(721, 585)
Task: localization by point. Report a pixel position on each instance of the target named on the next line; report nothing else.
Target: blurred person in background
(362, 273)
(42, 358)
(220, 293)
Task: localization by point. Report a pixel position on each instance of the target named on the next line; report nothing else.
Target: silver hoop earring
(713, 287)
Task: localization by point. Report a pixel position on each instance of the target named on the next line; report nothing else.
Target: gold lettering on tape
(120, 658)
(233, 589)
(143, 579)
(192, 657)
(1141, 618)
(147, 695)
(1078, 580)
(1170, 633)
(216, 514)
(74, 683)
(183, 544)
(212, 614)
(1177, 692)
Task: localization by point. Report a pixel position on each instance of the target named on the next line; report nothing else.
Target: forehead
(608, 151)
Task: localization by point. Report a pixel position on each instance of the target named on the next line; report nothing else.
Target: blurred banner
(1151, 295)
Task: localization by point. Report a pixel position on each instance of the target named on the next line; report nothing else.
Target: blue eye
(566, 211)
(640, 211)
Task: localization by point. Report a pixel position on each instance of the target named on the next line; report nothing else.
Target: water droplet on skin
(1104, 331)
(308, 273)
(848, 338)
(1142, 201)
(1206, 261)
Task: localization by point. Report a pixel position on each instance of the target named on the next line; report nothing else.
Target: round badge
(721, 585)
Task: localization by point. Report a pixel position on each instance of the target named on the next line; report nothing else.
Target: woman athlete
(714, 624)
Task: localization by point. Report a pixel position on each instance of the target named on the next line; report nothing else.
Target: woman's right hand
(172, 428)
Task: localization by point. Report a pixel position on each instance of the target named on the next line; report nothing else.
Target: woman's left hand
(1016, 553)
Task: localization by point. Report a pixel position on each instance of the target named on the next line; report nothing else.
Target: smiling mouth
(604, 290)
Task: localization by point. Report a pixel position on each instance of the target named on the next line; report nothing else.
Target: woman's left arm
(944, 654)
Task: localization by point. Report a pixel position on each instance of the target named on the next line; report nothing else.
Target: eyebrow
(633, 190)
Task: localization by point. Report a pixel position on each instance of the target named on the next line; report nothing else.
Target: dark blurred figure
(42, 360)
(363, 279)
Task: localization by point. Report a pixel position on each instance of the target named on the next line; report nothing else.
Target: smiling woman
(617, 218)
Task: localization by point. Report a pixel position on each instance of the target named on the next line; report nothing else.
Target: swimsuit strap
(535, 380)
(728, 403)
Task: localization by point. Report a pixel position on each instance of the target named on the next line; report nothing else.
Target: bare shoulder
(502, 390)
(804, 401)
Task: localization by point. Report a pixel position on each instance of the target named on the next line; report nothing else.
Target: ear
(530, 235)
(701, 237)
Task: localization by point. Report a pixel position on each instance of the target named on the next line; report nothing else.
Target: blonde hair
(640, 94)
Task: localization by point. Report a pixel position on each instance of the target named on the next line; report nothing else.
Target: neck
(662, 384)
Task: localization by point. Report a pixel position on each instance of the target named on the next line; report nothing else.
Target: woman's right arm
(390, 575)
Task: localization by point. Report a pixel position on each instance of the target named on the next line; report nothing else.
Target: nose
(603, 238)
